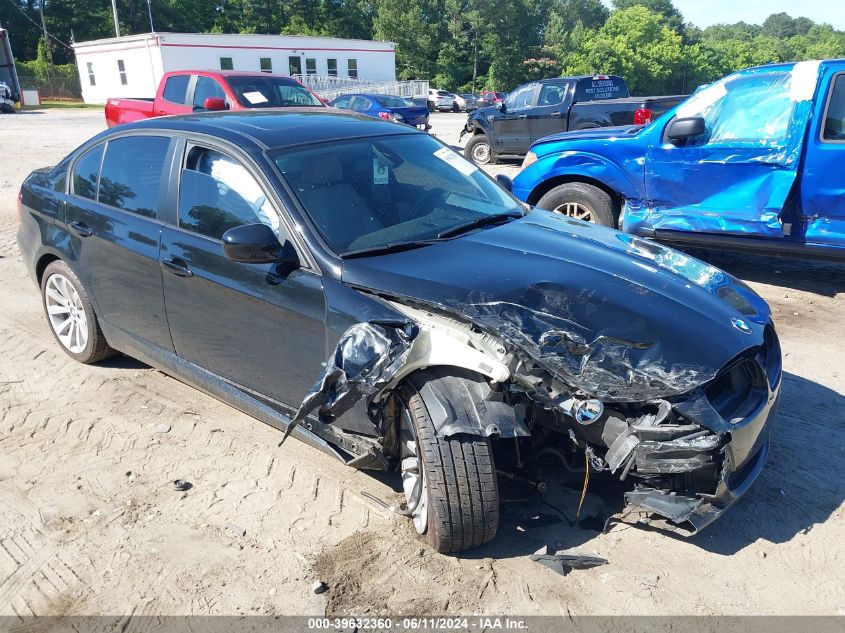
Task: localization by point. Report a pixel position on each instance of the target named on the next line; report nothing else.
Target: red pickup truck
(186, 91)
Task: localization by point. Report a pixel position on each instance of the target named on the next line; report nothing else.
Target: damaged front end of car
(688, 455)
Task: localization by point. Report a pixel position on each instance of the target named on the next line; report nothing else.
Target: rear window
(600, 87)
(176, 89)
(393, 102)
(86, 172)
(131, 175)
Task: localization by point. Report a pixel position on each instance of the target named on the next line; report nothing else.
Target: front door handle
(555, 114)
(522, 116)
(81, 229)
(177, 266)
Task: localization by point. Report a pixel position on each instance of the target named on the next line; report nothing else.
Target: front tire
(580, 201)
(478, 150)
(459, 504)
(70, 315)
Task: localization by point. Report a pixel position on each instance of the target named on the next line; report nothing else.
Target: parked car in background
(752, 162)
(358, 284)
(7, 99)
(470, 101)
(489, 98)
(549, 106)
(440, 100)
(186, 91)
(385, 107)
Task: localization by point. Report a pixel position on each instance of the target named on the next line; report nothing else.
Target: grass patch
(48, 105)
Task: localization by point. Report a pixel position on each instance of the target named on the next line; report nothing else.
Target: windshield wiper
(387, 248)
(478, 222)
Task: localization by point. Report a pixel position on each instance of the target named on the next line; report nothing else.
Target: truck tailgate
(127, 110)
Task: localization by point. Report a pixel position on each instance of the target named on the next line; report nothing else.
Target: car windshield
(381, 192)
(271, 92)
(392, 102)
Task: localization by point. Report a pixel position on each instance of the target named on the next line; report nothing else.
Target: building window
(121, 68)
(294, 65)
(352, 68)
(311, 66)
(226, 63)
(266, 64)
(332, 66)
(91, 74)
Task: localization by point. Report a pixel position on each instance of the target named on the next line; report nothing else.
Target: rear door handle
(555, 114)
(177, 266)
(81, 229)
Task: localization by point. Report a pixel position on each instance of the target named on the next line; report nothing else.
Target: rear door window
(132, 173)
(86, 173)
(551, 94)
(217, 193)
(176, 89)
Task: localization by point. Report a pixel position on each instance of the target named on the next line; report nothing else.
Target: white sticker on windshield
(255, 97)
(380, 173)
(458, 162)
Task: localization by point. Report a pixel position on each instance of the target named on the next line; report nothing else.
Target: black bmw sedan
(361, 286)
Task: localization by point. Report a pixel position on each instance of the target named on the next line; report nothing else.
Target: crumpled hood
(588, 135)
(622, 318)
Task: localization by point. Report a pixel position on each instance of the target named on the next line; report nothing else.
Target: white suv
(440, 100)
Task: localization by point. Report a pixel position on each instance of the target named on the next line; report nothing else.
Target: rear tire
(581, 201)
(70, 315)
(459, 481)
(478, 150)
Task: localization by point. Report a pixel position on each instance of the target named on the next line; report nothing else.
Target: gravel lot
(90, 524)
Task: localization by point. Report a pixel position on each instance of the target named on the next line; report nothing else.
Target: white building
(131, 66)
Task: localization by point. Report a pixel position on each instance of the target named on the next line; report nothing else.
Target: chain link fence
(61, 88)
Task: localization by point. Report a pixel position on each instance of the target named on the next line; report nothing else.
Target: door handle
(81, 229)
(555, 114)
(177, 266)
(522, 116)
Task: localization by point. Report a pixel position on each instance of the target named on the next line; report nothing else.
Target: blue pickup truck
(754, 161)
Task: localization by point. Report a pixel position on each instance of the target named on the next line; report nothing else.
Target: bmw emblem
(741, 325)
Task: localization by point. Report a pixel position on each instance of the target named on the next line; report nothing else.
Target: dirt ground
(91, 524)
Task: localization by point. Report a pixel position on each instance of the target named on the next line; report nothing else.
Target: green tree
(407, 25)
(671, 16)
(636, 44)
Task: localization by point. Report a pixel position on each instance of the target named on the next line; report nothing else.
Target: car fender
(455, 370)
(533, 182)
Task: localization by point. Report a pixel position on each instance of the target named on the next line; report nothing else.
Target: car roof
(273, 129)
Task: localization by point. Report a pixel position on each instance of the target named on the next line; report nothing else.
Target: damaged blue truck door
(758, 167)
(823, 182)
(736, 177)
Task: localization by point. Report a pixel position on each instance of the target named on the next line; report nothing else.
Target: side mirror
(255, 244)
(214, 103)
(504, 182)
(501, 107)
(682, 129)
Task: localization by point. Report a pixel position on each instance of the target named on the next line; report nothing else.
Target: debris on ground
(563, 563)
(181, 485)
(237, 530)
(319, 587)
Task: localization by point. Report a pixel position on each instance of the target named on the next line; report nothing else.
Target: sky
(703, 13)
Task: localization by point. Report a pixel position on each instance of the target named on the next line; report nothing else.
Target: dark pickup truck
(551, 106)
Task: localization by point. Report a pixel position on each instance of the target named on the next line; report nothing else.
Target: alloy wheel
(575, 210)
(66, 313)
(414, 481)
(481, 153)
